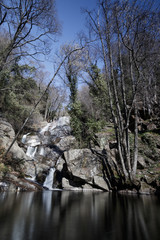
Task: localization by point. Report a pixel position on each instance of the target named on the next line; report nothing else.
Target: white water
(42, 151)
(49, 179)
(45, 129)
(63, 121)
(24, 138)
(31, 151)
(33, 141)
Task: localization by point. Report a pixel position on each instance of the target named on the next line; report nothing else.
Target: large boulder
(7, 135)
(100, 182)
(83, 163)
(81, 169)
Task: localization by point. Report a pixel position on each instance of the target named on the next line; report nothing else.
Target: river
(57, 215)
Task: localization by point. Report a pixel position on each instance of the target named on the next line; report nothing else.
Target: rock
(29, 169)
(100, 182)
(83, 163)
(4, 186)
(15, 184)
(59, 164)
(66, 185)
(151, 126)
(102, 139)
(87, 187)
(146, 189)
(7, 135)
(66, 143)
(141, 164)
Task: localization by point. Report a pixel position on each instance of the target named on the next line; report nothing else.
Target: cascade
(42, 151)
(49, 179)
(45, 129)
(24, 138)
(41, 147)
(31, 151)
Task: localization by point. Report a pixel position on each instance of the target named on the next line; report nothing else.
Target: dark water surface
(78, 216)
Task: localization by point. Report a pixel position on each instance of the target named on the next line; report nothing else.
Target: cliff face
(48, 157)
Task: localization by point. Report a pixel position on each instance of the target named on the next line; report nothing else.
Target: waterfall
(42, 151)
(45, 129)
(24, 138)
(49, 179)
(31, 151)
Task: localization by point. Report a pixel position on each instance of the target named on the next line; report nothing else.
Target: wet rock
(15, 184)
(87, 187)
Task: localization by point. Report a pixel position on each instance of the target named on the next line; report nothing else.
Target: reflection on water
(78, 216)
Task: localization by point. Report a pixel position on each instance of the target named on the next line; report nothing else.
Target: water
(49, 179)
(66, 215)
(24, 138)
(31, 151)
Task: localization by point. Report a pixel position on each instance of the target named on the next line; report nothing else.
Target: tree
(40, 99)
(54, 103)
(122, 29)
(28, 25)
(19, 94)
(72, 67)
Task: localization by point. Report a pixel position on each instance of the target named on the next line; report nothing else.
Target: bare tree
(73, 68)
(29, 24)
(122, 29)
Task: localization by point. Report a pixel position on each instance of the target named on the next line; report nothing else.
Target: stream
(66, 215)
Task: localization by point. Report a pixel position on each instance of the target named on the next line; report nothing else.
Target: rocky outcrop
(81, 168)
(7, 135)
(51, 146)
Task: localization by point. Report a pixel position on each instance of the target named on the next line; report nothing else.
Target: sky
(72, 20)
(69, 13)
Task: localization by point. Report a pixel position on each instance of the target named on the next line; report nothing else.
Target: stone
(7, 135)
(102, 139)
(146, 189)
(59, 164)
(66, 143)
(66, 185)
(87, 187)
(141, 164)
(83, 163)
(29, 169)
(100, 182)
(151, 126)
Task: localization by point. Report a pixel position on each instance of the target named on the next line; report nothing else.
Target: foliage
(83, 126)
(3, 168)
(92, 126)
(99, 94)
(20, 94)
(76, 123)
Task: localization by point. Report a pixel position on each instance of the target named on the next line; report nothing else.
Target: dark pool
(78, 216)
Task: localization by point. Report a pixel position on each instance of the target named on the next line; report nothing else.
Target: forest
(110, 75)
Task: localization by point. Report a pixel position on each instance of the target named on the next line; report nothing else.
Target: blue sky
(72, 20)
